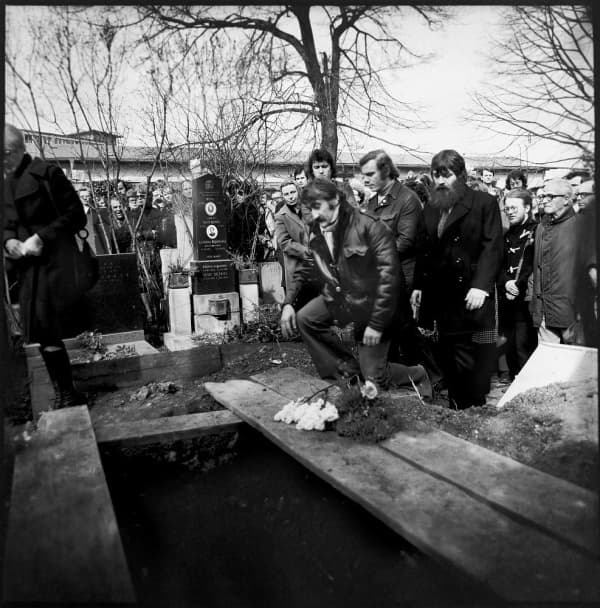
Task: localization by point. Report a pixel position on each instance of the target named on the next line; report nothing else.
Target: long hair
(449, 159)
(323, 156)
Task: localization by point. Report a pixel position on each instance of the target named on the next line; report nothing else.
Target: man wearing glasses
(554, 267)
(517, 266)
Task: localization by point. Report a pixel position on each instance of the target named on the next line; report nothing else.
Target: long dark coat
(468, 254)
(47, 295)
(555, 271)
(400, 210)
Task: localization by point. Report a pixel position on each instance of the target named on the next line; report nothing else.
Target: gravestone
(270, 282)
(114, 303)
(212, 270)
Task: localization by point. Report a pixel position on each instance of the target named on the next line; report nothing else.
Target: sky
(439, 88)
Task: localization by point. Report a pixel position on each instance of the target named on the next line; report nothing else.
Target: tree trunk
(329, 134)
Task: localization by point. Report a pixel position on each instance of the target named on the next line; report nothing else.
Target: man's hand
(475, 298)
(593, 275)
(288, 321)
(512, 291)
(415, 303)
(33, 245)
(13, 249)
(371, 337)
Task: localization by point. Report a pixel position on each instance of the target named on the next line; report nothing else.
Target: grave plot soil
(554, 429)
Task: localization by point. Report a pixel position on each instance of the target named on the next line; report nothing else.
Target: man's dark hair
(521, 193)
(487, 169)
(297, 171)
(516, 174)
(319, 188)
(449, 159)
(322, 156)
(383, 162)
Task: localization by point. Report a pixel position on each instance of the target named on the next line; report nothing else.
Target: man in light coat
(291, 232)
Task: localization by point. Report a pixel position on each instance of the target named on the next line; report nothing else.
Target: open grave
(270, 515)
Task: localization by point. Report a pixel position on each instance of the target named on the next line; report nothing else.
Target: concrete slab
(180, 311)
(175, 342)
(552, 363)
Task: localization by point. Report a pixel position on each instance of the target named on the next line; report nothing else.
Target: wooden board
(173, 428)
(63, 545)
(518, 562)
(131, 371)
(558, 507)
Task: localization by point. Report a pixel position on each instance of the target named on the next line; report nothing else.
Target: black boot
(59, 369)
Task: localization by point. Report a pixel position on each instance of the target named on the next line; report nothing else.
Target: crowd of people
(439, 273)
(484, 272)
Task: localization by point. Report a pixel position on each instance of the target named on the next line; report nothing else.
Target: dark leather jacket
(360, 282)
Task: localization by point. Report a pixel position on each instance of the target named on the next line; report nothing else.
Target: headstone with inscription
(114, 303)
(212, 271)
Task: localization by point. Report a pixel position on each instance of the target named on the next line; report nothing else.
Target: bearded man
(459, 255)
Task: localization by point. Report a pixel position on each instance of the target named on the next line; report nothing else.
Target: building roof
(56, 148)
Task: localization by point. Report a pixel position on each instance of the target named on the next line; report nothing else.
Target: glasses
(510, 209)
(551, 196)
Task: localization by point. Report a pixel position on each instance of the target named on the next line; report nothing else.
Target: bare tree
(339, 88)
(207, 97)
(544, 78)
(73, 68)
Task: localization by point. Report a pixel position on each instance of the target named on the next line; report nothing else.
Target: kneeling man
(355, 258)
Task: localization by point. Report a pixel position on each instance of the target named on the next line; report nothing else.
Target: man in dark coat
(399, 208)
(459, 253)
(395, 204)
(96, 236)
(517, 266)
(39, 238)
(355, 257)
(555, 269)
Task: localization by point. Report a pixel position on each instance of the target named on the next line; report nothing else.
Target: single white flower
(369, 390)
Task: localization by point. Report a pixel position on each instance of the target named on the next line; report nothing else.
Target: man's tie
(442, 222)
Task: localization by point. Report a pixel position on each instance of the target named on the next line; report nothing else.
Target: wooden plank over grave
(517, 561)
(558, 507)
(130, 371)
(172, 428)
(63, 545)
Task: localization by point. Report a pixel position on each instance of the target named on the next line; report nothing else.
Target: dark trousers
(334, 359)
(467, 367)
(521, 337)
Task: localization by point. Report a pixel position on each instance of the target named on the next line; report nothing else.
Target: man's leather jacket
(360, 281)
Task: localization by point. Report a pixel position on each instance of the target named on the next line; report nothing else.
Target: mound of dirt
(554, 429)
